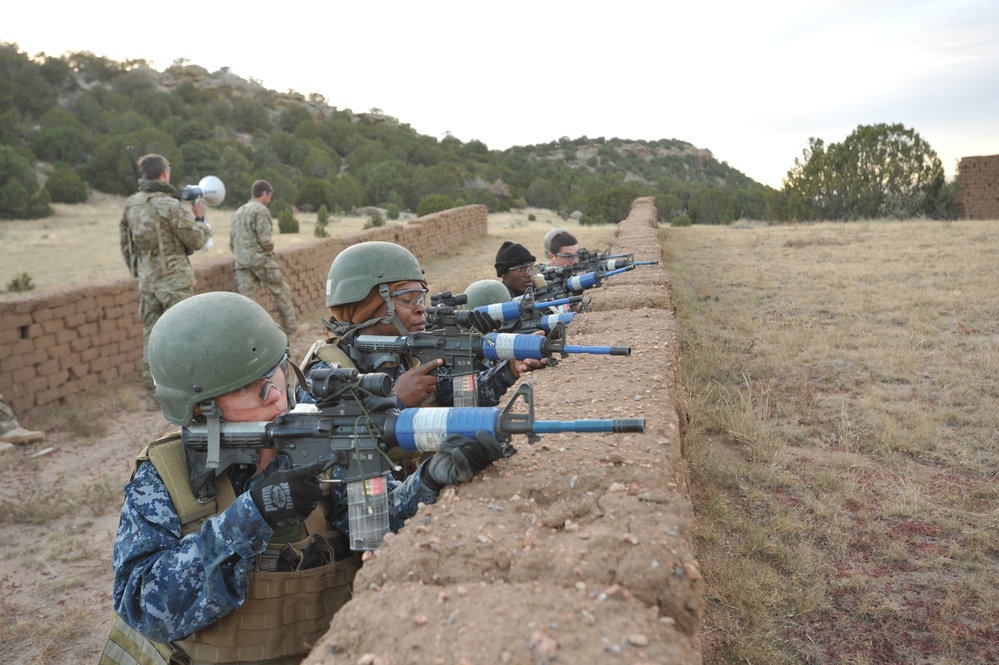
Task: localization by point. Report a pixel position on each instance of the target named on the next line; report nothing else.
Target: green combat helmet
(548, 239)
(486, 292)
(366, 265)
(208, 345)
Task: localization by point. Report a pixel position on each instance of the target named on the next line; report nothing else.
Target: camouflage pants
(154, 299)
(249, 280)
(7, 419)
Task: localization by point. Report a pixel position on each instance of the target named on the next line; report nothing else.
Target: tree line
(65, 122)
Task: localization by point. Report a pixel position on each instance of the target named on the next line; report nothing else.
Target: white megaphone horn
(210, 188)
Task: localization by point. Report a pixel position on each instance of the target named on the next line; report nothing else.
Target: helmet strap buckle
(210, 410)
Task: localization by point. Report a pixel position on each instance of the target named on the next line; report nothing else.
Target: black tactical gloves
(460, 458)
(482, 322)
(288, 496)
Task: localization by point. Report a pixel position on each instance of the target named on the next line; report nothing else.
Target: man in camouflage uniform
(251, 566)
(250, 240)
(11, 430)
(156, 236)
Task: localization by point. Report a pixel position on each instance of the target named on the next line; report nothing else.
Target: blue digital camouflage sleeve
(166, 586)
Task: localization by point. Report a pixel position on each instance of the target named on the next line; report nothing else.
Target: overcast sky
(749, 81)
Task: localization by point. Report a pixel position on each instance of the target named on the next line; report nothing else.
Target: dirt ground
(577, 548)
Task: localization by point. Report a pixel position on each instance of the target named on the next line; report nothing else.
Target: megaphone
(210, 188)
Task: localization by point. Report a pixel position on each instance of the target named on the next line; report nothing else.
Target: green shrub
(531, 218)
(287, 222)
(592, 220)
(20, 283)
(20, 195)
(64, 186)
(322, 219)
(375, 220)
(392, 211)
(682, 220)
(434, 203)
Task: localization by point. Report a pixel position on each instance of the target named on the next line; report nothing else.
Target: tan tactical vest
(284, 613)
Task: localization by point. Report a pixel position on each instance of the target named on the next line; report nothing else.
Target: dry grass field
(80, 242)
(844, 386)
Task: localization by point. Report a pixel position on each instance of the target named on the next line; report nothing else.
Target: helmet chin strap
(391, 316)
(347, 332)
(213, 414)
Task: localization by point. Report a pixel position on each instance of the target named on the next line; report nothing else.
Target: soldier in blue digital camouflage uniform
(252, 571)
(156, 235)
(378, 288)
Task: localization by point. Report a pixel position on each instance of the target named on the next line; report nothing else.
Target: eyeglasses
(571, 255)
(527, 268)
(266, 382)
(410, 302)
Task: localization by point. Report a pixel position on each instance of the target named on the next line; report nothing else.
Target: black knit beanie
(511, 254)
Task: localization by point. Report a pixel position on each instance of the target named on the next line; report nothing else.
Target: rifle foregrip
(502, 311)
(548, 321)
(381, 344)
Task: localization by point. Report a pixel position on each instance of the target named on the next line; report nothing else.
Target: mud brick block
(87, 330)
(50, 326)
(44, 341)
(75, 320)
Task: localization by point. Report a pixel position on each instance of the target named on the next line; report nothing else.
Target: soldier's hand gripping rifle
(591, 261)
(354, 427)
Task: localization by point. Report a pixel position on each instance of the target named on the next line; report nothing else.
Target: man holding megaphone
(157, 235)
(251, 241)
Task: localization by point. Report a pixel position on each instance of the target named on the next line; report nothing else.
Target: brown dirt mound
(575, 548)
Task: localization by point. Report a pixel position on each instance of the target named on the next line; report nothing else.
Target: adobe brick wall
(64, 341)
(978, 188)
